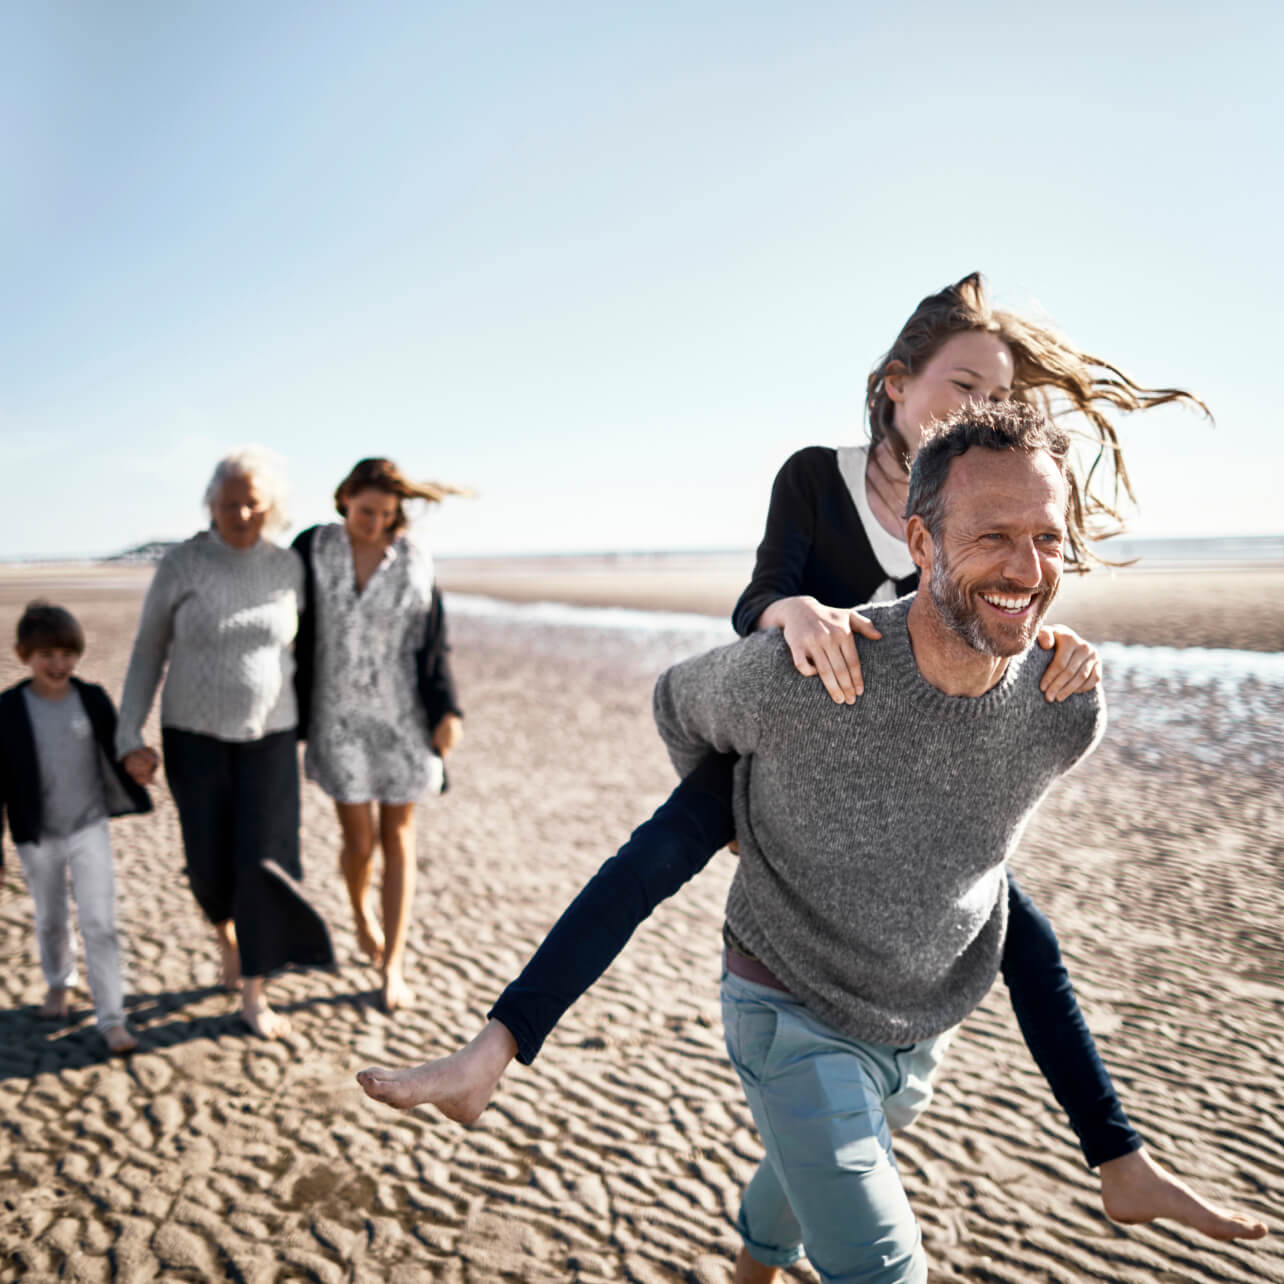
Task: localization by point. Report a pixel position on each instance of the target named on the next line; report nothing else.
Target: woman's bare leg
(256, 1013)
(397, 835)
(460, 1085)
(356, 820)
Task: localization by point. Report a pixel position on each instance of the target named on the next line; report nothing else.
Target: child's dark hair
(45, 626)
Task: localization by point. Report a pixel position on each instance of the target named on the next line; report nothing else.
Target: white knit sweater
(225, 620)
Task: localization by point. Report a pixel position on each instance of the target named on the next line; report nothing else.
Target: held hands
(447, 734)
(1075, 665)
(141, 764)
(820, 640)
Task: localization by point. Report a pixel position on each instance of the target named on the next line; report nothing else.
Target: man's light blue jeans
(825, 1106)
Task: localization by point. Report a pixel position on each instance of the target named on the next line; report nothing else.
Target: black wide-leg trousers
(238, 806)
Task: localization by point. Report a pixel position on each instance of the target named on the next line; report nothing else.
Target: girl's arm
(819, 636)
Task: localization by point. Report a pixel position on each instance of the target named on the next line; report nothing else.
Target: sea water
(1224, 708)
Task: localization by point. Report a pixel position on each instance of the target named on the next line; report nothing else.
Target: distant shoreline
(1235, 605)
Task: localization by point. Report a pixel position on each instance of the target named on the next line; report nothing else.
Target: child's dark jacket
(20, 771)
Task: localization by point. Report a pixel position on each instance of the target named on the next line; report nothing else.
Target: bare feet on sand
(395, 993)
(57, 1005)
(369, 936)
(229, 954)
(460, 1085)
(1134, 1189)
(119, 1040)
(256, 1013)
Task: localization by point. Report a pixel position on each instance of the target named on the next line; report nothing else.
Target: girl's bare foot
(396, 993)
(256, 1013)
(119, 1040)
(369, 937)
(229, 954)
(57, 1006)
(1134, 1189)
(460, 1085)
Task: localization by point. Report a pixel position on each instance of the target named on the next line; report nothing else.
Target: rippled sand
(620, 1154)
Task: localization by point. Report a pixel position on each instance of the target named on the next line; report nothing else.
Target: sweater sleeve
(147, 659)
(435, 677)
(1093, 717)
(305, 640)
(780, 565)
(714, 701)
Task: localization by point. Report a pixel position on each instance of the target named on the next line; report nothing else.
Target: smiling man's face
(997, 564)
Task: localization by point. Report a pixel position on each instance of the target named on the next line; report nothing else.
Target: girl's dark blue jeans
(679, 841)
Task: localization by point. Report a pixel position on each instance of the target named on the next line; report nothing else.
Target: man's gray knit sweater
(873, 836)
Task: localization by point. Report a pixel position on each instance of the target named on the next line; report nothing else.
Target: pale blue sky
(609, 264)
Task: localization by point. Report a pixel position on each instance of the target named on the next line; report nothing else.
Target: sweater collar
(892, 621)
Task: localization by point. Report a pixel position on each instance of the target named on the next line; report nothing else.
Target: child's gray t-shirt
(71, 785)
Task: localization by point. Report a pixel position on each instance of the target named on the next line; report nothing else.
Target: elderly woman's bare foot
(460, 1085)
(229, 954)
(256, 1013)
(395, 993)
(57, 1005)
(119, 1040)
(1134, 1189)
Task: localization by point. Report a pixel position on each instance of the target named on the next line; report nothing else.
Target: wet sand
(620, 1154)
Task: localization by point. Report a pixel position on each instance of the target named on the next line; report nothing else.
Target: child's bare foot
(1134, 1189)
(119, 1040)
(460, 1085)
(369, 937)
(396, 993)
(57, 1005)
(229, 954)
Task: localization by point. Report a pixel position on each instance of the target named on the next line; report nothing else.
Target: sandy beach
(620, 1154)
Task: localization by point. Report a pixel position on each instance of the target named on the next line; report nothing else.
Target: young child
(59, 781)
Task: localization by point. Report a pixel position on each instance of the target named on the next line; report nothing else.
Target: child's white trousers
(85, 858)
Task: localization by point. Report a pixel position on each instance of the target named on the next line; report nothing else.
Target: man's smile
(1011, 605)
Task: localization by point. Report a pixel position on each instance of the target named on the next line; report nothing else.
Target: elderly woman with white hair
(223, 610)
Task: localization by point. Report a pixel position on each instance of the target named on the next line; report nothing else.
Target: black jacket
(435, 680)
(20, 770)
(814, 538)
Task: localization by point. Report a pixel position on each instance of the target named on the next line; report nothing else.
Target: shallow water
(1224, 708)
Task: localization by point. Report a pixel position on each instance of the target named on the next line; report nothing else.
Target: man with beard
(867, 915)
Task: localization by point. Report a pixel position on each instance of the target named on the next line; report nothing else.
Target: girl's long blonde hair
(1050, 373)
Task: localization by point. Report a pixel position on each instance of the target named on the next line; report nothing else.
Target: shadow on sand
(31, 1045)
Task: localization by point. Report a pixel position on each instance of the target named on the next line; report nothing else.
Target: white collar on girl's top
(893, 554)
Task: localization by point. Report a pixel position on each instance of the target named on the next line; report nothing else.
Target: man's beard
(961, 615)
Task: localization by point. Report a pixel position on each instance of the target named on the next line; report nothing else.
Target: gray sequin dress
(369, 739)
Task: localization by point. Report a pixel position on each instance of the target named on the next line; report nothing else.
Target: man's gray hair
(994, 425)
(267, 469)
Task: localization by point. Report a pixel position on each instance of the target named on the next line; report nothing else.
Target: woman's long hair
(383, 475)
(1050, 373)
